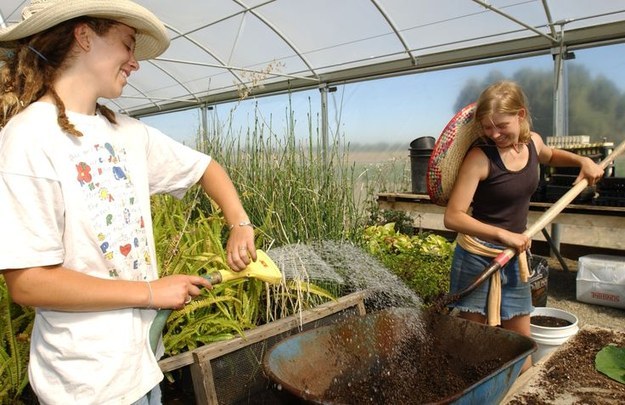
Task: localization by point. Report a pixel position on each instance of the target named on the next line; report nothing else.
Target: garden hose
(263, 269)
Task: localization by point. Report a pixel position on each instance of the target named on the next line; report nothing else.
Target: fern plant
(189, 238)
(16, 323)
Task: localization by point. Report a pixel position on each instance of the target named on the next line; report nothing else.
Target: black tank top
(503, 198)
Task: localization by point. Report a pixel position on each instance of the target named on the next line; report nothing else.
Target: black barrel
(420, 152)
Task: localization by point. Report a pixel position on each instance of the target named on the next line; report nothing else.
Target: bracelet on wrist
(151, 298)
(242, 223)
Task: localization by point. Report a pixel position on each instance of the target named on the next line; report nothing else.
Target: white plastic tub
(601, 280)
(550, 338)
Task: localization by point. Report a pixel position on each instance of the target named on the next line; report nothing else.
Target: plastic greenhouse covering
(222, 50)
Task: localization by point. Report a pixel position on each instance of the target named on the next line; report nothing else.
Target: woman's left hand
(590, 171)
(240, 247)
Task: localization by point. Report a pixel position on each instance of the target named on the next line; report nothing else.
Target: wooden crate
(213, 384)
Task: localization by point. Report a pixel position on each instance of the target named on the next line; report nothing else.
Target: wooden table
(586, 225)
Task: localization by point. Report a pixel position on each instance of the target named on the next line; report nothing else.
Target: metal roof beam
(242, 69)
(583, 37)
(399, 36)
(282, 37)
(511, 18)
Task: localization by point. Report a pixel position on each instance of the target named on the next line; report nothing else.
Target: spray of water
(346, 265)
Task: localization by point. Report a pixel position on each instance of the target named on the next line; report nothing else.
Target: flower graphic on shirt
(111, 150)
(105, 195)
(84, 173)
(111, 199)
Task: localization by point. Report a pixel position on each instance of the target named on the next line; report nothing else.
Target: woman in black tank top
(489, 202)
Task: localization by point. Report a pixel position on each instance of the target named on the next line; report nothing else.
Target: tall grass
(292, 190)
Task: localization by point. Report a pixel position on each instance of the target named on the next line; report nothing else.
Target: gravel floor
(561, 294)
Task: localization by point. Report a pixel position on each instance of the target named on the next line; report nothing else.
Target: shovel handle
(497, 263)
(162, 314)
(504, 257)
(569, 196)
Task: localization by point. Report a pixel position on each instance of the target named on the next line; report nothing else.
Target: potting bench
(611, 220)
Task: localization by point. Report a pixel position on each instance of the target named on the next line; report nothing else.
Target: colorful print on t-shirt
(103, 175)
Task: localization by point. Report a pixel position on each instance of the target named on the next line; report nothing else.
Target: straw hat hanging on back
(39, 15)
(448, 153)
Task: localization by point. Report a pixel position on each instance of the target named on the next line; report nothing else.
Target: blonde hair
(29, 70)
(505, 97)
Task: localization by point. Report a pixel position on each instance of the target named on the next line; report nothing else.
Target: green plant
(421, 261)
(188, 236)
(16, 323)
(402, 220)
(189, 240)
(292, 190)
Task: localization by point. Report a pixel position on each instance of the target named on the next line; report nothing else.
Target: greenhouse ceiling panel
(223, 50)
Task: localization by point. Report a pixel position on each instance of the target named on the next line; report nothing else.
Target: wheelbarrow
(387, 357)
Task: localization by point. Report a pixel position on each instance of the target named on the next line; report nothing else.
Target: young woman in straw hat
(497, 179)
(75, 186)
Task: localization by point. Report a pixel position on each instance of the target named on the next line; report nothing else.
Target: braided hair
(28, 71)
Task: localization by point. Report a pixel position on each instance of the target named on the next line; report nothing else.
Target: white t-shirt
(85, 202)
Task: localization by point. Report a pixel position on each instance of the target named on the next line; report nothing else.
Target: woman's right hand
(177, 290)
(517, 241)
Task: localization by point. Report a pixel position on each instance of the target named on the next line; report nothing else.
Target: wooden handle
(569, 196)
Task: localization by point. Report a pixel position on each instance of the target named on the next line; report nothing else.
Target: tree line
(596, 106)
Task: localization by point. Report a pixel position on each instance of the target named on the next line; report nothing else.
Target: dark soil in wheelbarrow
(416, 373)
(440, 379)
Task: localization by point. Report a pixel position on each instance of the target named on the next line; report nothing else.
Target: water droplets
(347, 265)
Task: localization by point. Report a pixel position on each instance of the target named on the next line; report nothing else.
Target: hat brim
(447, 156)
(151, 35)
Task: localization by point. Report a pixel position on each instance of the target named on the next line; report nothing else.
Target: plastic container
(601, 280)
(549, 338)
(423, 142)
(420, 152)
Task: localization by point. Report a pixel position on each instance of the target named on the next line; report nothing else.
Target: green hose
(156, 329)
(263, 269)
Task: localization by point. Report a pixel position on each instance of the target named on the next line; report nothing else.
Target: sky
(391, 110)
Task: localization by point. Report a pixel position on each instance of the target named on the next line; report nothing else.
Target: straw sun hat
(447, 156)
(39, 15)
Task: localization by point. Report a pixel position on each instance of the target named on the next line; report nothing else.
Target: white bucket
(549, 338)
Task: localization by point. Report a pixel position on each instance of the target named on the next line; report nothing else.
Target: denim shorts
(516, 296)
(151, 398)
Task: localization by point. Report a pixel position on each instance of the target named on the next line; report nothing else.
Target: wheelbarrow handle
(504, 257)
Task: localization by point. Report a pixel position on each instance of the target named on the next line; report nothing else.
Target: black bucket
(420, 152)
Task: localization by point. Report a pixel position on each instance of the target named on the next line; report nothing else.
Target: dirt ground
(568, 375)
